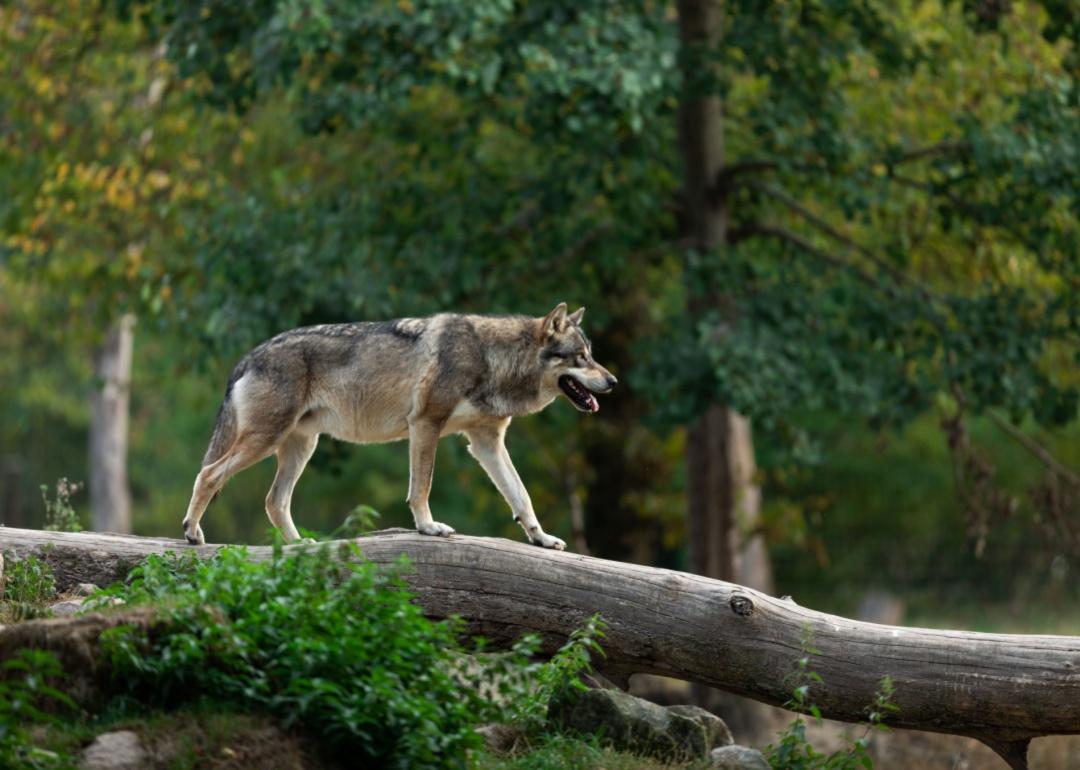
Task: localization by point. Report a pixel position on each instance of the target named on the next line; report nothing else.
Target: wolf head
(566, 355)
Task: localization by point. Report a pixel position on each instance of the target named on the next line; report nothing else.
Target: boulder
(631, 724)
(69, 607)
(118, 750)
(716, 731)
(84, 589)
(737, 758)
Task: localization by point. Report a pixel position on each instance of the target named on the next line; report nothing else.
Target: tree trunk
(723, 497)
(1002, 689)
(110, 496)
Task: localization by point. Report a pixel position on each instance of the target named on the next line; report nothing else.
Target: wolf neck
(513, 373)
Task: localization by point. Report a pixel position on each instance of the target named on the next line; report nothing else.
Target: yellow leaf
(159, 180)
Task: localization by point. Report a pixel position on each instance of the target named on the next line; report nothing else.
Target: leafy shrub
(526, 688)
(28, 586)
(332, 643)
(24, 689)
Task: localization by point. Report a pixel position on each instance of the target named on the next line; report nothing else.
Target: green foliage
(526, 688)
(60, 516)
(333, 644)
(361, 520)
(28, 586)
(25, 694)
(872, 264)
(793, 751)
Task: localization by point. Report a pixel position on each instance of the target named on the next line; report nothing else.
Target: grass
(560, 752)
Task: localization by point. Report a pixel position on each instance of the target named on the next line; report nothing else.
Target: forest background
(879, 270)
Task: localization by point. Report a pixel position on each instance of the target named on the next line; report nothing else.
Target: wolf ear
(575, 317)
(555, 321)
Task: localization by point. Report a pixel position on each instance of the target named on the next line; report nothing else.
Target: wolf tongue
(594, 404)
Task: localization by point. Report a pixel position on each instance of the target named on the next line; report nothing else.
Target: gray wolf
(412, 378)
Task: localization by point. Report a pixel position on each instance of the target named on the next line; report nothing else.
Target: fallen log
(1002, 689)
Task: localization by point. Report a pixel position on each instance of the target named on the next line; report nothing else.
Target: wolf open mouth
(580, 396)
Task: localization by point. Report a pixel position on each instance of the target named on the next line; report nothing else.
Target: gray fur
(414, 378)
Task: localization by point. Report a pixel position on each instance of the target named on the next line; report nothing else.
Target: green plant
(327, 640)
(561, 671)
(28, 586)
(794, 752)
(361, 520)
(24, 695)
(60, 516)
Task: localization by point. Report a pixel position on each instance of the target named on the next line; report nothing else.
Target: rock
(716, 732)
(737, 758)
(502, 739)
(84, 589)
(635, 725)
(69, 607)
(119, 750)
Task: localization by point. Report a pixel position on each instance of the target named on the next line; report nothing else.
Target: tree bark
(110, 495)
(1001, 689)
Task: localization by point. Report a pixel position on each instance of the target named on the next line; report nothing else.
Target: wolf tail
(224, 432)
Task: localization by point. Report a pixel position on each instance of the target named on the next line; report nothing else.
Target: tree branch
(942, 148)
(737, 234)
(727, 177)
(1035, 448)
(820, 224)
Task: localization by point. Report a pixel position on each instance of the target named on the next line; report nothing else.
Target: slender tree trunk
(110, 496)
(723, 497)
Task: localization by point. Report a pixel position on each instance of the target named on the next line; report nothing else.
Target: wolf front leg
(488, 447)
(423, 439)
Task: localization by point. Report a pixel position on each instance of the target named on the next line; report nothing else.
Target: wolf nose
(611, 381)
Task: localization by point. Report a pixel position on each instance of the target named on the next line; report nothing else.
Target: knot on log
(742, 606)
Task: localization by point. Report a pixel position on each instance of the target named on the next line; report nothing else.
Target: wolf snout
(609, 383)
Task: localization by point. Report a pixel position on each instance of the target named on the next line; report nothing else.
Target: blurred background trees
(854, 224)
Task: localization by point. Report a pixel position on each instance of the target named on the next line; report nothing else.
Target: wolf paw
(196, 537)
(545, 540)
(435, 528)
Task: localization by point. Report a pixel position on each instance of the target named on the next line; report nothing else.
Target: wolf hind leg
(423, 440)
(488, 446)
(292, 457)
(246, 451)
